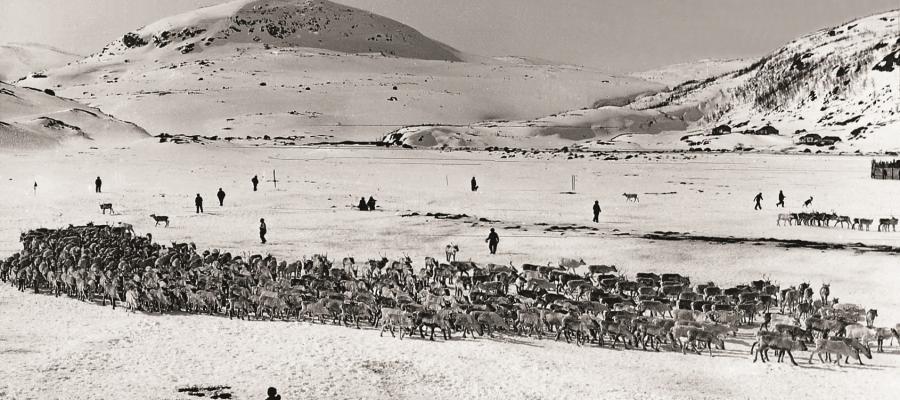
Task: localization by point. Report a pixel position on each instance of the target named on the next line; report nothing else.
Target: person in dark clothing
(363, 206)
(371, 203)
(474, 184)
(255, 182)
(492, 240)
(262, 230)
(97, 184)
(758, 199)
(596, 211)
(221, 196)
(273, 394)
(198, 201)
(780, 199)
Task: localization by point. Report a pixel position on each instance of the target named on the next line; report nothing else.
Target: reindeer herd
(579, 303)
(832, 219)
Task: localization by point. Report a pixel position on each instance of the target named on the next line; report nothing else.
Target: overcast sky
(617, 35)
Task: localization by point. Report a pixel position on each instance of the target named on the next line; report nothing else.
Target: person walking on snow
(758, 199)
(262, 230)
(474, 184)
(492, 240)
(780, 199)
(97, 184)
(221, 196)
(363, 206)
(596, 211)
(371, 203)
(198, 201)
(255, 182)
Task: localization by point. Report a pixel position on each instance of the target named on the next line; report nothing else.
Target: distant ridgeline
(886, 169)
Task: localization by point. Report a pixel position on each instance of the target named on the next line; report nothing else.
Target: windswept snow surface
(62, 348)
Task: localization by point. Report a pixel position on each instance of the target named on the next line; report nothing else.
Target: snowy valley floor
(61, 348)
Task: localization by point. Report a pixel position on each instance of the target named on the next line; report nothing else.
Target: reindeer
(824, 292)
(451, 251)
(570, 263)
(782, 344)
(632, 197)
(870, 317)
(808, 202)
(887, 223)
(842, 219)
(788, 219)
(160, 218)
(867, 222)
(106, 206)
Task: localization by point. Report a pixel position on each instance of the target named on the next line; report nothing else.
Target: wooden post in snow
(274, 180)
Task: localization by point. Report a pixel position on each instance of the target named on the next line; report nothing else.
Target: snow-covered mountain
(316, 71)
(34, 119)
(842, 82)
(20, 59)
(284, 23)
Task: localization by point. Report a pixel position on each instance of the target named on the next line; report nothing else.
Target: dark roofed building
(767, 130)
(810, 138)
(721, 130)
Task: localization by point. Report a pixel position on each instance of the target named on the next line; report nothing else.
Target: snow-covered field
(60, 348)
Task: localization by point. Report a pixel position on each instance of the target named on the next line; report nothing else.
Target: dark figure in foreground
(808, 202)
(97, 184)
(596, 211)
(758, 199)
(221, 196)
(780, 199)
(492, 240)
(262, 230)
(363, 206)
(474, 184)
(198, 201)
(371, 203)
(273, 394)
(255, 182)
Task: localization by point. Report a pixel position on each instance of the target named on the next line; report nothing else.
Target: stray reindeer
(451, 251)
(160, 218)
(808, 202)
(632, 197)
(106, 206)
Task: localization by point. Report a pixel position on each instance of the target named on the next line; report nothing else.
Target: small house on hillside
(721, 130)
(810, 138)
(829, 140)
(767, 130)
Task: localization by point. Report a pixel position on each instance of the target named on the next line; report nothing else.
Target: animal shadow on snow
(515, 341)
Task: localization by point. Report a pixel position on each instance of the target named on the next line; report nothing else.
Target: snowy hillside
(842, 82)
(674, 75)
(32, 119)
(284, 23)
(19, 59)
(293, 85)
